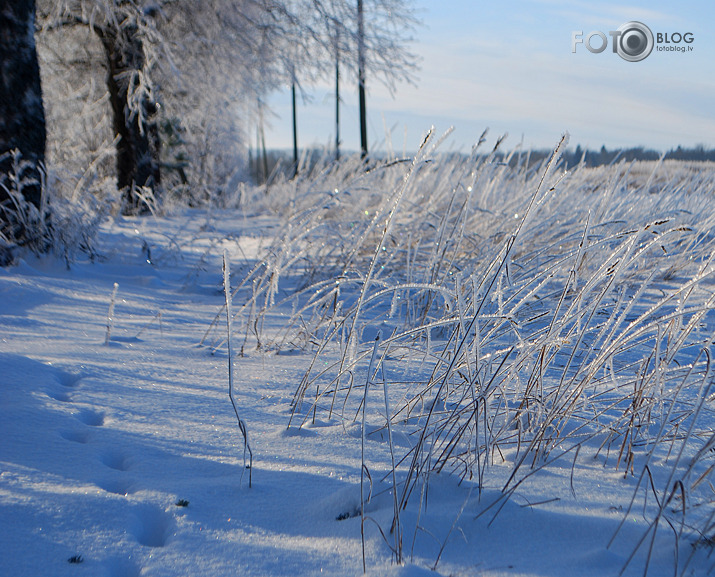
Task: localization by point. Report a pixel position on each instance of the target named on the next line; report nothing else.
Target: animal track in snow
(80, 437)
(61, 396)
(64, 383)
(115, 460)
(91, 417)
(118, 486)
(152, 526)
(68, 380)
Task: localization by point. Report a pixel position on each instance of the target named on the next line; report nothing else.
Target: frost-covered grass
(66, 225)
(530, 316)
(469, 364)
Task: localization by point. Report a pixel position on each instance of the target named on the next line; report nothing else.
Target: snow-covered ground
(120, 448)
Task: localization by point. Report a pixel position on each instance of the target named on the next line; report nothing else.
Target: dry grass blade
(241, 423)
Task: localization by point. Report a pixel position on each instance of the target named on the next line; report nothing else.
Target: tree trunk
(22, 115)
(361, 80)
(337, 93)
(138, 147)
(295, 130)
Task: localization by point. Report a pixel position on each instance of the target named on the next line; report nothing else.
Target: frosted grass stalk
(241, 423)
(363, 467)
(349, 354)
(396, 522)
(110, 314)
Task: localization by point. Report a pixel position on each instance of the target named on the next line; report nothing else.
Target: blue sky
(509, 67)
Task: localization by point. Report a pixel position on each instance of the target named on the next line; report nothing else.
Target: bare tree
(311, 39)
(361, 76)
(369, 38)
(297, 43)
(383, 35)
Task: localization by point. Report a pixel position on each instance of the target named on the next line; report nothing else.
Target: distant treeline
(281, 161)
(605, 156)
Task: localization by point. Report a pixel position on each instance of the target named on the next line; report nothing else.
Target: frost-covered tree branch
(186, 80)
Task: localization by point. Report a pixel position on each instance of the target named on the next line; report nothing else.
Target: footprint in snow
(151, 526)
(68, 380)
(65, 383)
(117, 486)
(81, 437)
(90, 417)
(61, 396)
(116, 460)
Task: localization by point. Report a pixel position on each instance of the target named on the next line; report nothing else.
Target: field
(445, 364)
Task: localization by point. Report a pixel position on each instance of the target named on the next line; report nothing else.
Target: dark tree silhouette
(22, 116)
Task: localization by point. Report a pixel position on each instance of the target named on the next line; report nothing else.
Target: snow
(101, 443)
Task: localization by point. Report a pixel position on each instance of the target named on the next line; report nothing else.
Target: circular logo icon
(635, 41)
